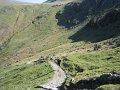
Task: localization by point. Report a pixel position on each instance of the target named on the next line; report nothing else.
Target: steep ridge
(77, 12)
(100, 13)
(101, 27)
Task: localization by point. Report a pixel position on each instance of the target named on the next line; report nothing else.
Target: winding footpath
(58, 79)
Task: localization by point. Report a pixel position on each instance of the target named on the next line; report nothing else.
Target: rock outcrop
(93, 83)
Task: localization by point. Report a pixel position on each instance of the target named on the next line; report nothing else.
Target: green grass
(22, 77)
(109, 87)
(92, 63)
(42, 35)
(32, 38)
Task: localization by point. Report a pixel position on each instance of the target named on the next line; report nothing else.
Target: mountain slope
(83, 34)
(77, 12)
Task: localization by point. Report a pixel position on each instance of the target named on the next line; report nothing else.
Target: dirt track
(58, 79)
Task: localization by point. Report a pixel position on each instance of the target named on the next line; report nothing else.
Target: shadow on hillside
(95, 35)
(95, 82)
(99, 29)
(74, 13)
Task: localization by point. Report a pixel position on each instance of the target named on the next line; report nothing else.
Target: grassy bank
(90, 64)
(23, 77)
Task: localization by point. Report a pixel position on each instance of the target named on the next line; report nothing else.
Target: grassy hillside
(24, 76)
(28, 31)
(87, 36)
(32, 29)
(109, 87)
(92, 63)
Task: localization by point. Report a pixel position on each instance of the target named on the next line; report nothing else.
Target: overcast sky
(31, 1)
